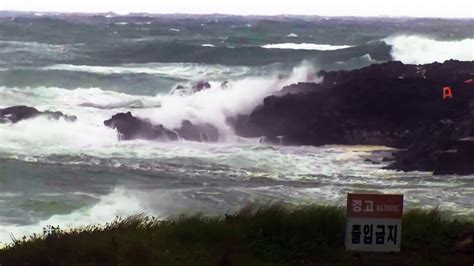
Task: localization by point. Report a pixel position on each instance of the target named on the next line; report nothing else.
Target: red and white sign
(374, 222)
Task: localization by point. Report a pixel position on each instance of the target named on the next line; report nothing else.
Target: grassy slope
(312, 235)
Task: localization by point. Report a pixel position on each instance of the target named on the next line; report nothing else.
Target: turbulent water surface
(72, 174)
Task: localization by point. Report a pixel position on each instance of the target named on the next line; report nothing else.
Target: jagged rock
(457, 162)
(181, 90)
(389, 104)
(16, 114)
(201, 85)
(130, 127)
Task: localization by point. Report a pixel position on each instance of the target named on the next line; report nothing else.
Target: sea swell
(246, 56)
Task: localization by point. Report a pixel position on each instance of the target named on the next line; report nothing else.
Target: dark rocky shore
(391, 104)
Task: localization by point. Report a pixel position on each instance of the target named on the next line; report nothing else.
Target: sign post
(374, 222)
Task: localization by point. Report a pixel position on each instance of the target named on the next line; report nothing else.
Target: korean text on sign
(374, 222)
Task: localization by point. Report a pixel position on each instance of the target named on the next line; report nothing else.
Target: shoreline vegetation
(270, 235)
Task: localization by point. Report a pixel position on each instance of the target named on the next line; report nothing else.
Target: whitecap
(413, 49)
(184, 71)
(305, 46)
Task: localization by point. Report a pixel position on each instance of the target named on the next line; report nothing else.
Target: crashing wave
(93, 105)
(415, 49)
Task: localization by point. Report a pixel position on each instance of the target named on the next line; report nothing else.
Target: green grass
(276, 235)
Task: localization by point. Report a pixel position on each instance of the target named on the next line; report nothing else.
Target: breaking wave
(120, 203)
(93, 105)
(306, 46)
(422, 50)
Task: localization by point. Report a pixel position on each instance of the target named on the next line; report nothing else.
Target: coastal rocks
(130, 127)
(388, 104)
(16, 114)
(301, 87)
(201, 85)
(457, 162)
(424, 145)
(202, 132)
(198, 86)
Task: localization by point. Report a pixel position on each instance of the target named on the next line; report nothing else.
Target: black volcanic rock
(390, 104)
(302, 87)
(424, 145)
(459, 161)
(202, 132)
(16, 114)
(130, 127)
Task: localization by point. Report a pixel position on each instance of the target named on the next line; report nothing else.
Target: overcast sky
(411, 8)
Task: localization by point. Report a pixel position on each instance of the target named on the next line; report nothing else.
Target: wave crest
(422, 50)
(306, 46)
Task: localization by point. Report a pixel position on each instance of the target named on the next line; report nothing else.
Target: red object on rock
(447, 93)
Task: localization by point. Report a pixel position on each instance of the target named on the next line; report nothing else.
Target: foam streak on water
(305, 46)
(165, 179)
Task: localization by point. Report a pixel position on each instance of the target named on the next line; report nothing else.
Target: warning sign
(374, 222)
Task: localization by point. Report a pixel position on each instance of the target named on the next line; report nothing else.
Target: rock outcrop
(130, 127)
(389, 104)
(459, 161)
(16, 114)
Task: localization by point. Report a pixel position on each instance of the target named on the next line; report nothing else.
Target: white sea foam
(43, 136)
(120, 202)
(92, 106)
(215, 105)
(256, 161)
(46, 136)
(335, 170)
(170, 70)
(414, 49)
(305, 46)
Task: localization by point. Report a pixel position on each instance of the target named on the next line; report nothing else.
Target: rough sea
(75, 174)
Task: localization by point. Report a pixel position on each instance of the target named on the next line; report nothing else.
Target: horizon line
(228, 14)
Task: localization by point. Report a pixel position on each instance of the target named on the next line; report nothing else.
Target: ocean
(94, 66)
